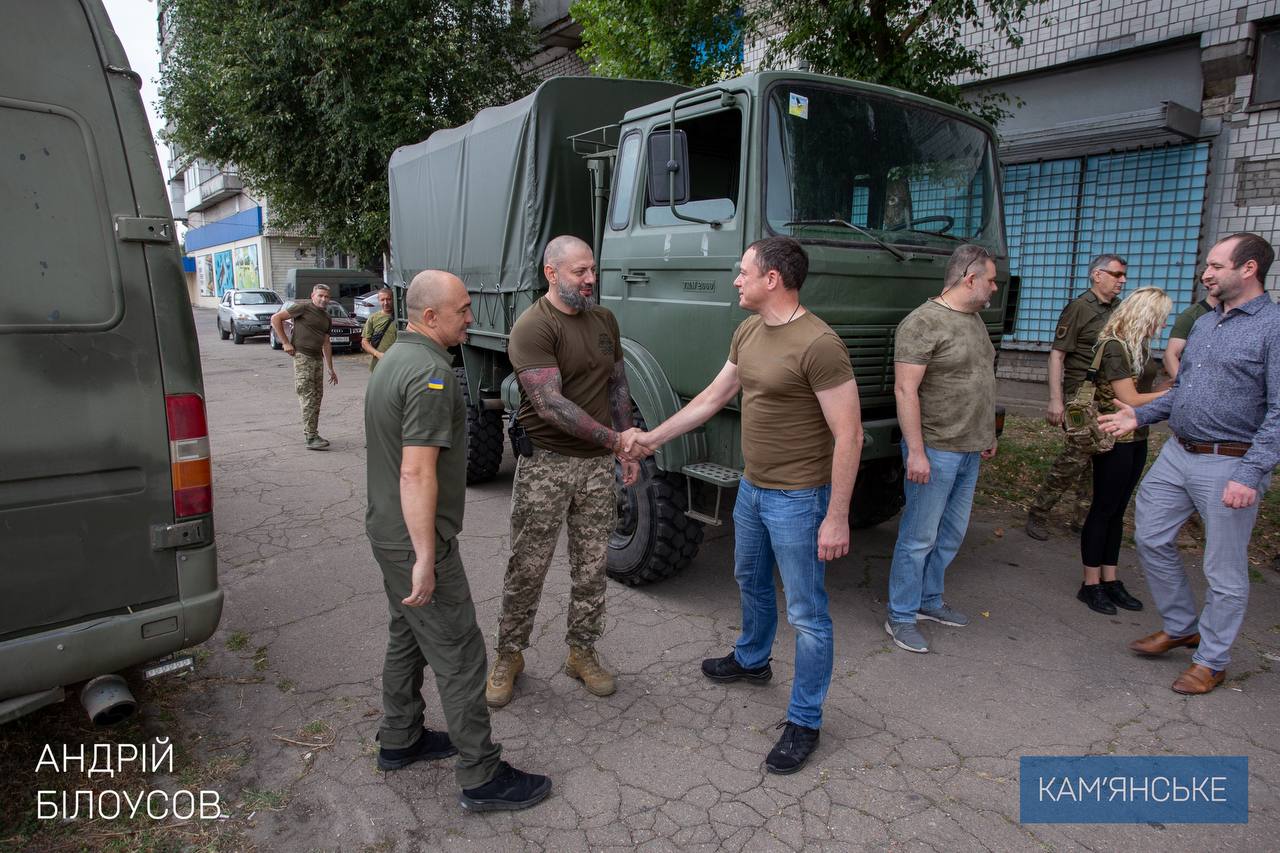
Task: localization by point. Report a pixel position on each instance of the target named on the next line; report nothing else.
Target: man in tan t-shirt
(567, 353)
(801, 439)
(945, 384)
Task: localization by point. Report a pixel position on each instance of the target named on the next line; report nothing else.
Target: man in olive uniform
(308, 345)
(567, 353)
(380, 329)
(1182, 330)
(1078, 328)
(415, 424)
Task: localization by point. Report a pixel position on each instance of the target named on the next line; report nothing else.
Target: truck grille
(871, 353)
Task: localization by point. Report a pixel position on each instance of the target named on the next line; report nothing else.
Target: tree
(908, 44)
(308, 98)
(693, 42)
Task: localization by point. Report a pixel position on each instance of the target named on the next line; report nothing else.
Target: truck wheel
(484, 437)
(221, 333)
(877, 496)
(653, 539)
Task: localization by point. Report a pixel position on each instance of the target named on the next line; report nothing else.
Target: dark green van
(107, 558)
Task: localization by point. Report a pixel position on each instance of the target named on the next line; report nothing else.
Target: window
(1266, 69)
(714, 168)
(624, 182)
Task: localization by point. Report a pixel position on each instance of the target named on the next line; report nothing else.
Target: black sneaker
(793, 748)
(1096, 597)
(1120, 596)
(509, 790)
(430, 745)
(728, 669)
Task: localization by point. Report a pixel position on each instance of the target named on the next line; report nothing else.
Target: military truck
(107, 557)
(670, 186)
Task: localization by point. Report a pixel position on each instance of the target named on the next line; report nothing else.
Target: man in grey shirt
(1224, 410)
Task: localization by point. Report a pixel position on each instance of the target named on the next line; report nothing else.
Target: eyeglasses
(980, 259)
(1114, 274)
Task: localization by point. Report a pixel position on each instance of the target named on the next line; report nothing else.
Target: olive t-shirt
(375, 324)
(311, 325)
(1182, 326)
(584, 347)
(958, 391)
(1116, 364)
(785, 438)
(1078, 328)
(414, 400)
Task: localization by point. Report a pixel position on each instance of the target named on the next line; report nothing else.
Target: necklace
(942, 297)
(793, 314)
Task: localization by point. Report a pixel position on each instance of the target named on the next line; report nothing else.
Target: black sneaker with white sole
(428, 747)
(728, 669)
(509, 790)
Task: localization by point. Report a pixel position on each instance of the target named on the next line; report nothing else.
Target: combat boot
(502, 678)
(584, 665)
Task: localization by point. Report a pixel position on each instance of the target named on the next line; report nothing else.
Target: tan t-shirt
(785, 438)
(311, 325)
(584, 347)
(958, 392)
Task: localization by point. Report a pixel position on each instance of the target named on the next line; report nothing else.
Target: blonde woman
(1127, 373)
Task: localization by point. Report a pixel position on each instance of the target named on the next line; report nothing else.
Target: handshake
(635, 444)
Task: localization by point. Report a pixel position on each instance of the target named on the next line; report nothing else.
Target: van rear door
(84, 448)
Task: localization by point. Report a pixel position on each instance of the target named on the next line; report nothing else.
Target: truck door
(84, 447)
(666, 277)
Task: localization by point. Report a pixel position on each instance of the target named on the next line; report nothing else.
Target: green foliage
(308, 98)
(693, 42)
(907, 44)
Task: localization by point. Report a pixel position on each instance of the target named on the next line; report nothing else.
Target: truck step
(716, 475)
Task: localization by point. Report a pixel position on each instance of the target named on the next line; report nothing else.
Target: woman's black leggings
(1115, 474)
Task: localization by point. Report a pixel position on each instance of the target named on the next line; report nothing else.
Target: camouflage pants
(551, 488)
(1071, 471)
(308, 381)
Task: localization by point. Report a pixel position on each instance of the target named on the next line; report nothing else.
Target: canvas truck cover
(483, 199)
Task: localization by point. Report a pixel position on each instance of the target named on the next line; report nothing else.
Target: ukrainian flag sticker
(435, 384)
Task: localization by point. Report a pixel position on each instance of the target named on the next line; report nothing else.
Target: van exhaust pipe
(107, 700)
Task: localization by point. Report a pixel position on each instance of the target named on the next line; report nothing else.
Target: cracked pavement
(918, 752)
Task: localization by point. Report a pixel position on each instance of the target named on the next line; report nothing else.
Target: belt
(1220, 448)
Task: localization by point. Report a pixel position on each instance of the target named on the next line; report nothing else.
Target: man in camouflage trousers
(308, 345)
(567, 353)
(1077, 332)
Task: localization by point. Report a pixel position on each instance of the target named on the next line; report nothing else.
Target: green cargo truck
(670, 186)
(107, 557)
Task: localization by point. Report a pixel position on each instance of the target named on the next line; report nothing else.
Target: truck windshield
(852, 167)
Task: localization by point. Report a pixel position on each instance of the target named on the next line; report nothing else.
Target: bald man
(415, 427)
(567, 353)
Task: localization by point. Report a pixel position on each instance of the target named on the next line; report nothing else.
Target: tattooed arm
(620, 397)
(542, 384)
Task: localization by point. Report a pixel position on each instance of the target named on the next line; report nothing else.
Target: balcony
(212, 190)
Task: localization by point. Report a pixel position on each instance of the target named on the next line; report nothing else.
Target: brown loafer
(1198, 679)
(1160, 642)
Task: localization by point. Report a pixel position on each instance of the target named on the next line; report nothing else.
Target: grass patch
(237, 641)
(260, 659)
(263, 799)
(1027, 449)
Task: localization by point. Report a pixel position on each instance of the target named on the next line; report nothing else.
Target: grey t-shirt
(958, 392)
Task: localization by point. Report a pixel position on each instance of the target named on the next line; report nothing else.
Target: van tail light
(189, 455)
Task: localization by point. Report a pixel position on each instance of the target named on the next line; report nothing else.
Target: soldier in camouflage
(309, 345)
(1077, 333)
(567, 353)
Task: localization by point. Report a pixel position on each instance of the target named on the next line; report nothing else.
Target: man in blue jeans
(801, 439)
(945, 385)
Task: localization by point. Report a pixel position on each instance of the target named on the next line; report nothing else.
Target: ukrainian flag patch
(435, 384)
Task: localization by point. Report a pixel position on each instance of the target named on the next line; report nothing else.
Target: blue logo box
(1134, 789)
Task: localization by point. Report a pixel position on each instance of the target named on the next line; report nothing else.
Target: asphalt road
(917, 751)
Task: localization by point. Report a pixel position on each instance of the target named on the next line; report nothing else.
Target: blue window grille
(1145, 206)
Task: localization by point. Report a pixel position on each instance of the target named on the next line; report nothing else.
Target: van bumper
(880, 439)
(74, 653)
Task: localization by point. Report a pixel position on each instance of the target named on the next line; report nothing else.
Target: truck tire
(653, 539)
(878, 495)
(484, 437)
(222, 334)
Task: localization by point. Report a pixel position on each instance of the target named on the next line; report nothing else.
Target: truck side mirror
(663, 162)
